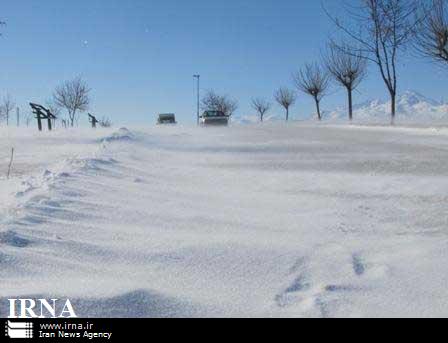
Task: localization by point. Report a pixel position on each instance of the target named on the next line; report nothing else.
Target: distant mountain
(410, 106)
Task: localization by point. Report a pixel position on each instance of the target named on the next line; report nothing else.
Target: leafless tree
(313, 80)
(348, 70)
(105, 122)
(379, 29)
(432, 33)
(7, 107)
(74, 97)
(262, 106)
(222, 103)
(286, 98)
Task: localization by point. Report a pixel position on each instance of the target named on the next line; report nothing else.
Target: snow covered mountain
(410, 106)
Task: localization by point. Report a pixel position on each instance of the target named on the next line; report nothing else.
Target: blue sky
(138, 56)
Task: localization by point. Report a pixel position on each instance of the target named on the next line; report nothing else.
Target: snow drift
(256, 221)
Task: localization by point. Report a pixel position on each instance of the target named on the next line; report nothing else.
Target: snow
(269, 220)
(254, 119)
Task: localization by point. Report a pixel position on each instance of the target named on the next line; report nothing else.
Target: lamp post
(198, 78)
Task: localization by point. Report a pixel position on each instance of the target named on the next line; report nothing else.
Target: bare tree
(432, 34)
(286, 98)
(379, 29)
(313, 80)
(348, 70)
(261, 106)
(7, 107)
(105, 122)
(222, 103)
(74, 97)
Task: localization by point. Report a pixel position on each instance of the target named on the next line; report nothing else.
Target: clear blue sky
(138, 56)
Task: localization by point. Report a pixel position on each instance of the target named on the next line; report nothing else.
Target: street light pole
(198, 78)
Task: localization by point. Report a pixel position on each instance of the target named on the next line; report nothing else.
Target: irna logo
(40, 308)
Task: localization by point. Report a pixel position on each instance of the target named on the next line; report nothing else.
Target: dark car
(167, 118)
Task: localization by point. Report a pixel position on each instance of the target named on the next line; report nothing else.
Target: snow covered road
(264, 220)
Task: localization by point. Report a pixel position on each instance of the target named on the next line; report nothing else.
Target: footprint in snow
(358, 265)
(287, 296)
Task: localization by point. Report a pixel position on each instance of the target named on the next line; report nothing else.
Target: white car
(214, 118)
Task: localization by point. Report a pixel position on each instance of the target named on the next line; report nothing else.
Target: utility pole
(198, 78)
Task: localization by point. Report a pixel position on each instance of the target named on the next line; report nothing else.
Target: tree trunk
(350, 104)
(393, 99)
(287, 114)
(72, 119)
(318, 109)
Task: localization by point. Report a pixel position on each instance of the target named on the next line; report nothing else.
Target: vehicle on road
(216, 118)
(166, 119)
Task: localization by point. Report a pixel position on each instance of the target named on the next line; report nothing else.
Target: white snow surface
(273, 220)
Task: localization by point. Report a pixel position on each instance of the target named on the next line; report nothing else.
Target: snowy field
(252, 221)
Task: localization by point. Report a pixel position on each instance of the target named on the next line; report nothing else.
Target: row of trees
(375, 31)
(314, 80)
